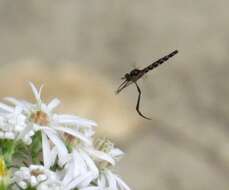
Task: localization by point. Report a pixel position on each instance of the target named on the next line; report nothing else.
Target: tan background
(80, 48)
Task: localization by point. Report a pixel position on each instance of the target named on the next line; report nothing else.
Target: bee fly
(134, 75)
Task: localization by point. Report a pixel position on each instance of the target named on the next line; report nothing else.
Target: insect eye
(127, 76)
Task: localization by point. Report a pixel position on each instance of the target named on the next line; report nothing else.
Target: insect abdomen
(160, 61)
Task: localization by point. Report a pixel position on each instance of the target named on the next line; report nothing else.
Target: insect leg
(138, 102)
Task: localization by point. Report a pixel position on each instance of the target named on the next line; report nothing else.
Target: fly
(134, 75)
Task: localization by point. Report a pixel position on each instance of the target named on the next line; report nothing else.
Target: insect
(134, 75)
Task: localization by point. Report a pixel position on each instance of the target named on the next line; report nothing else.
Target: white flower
(12, 122)
(40, 117)
(106, 179)
(71, 158)
(90, 150)
(35, 176)
(79, 172)
(107, 148)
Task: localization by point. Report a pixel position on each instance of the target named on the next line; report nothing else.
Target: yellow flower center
(36, 172)
(104, 144)
(3, 171)
(40, 118)
(71, 140)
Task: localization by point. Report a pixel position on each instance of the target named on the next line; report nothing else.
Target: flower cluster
(44, 150)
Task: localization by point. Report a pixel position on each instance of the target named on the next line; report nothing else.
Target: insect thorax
(134, 72)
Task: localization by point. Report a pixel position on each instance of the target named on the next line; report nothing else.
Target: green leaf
(22, 151)
(36, 147)
(7, 150)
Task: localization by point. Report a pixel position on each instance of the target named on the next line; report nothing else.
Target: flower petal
(36, 93)
(74, 133)
(46, 151)
(90, 163)
(24, 105)
(62, 150)
(13, 100)
(40, 90)
(73, 120)
(76, 181)
(53, 104)
(111, 180)
(79, 162)
(101, 181)
(116, 152)
(100, 155)
(121, 183)
(6, 108)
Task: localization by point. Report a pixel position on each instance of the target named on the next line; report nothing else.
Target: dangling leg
(138, 102)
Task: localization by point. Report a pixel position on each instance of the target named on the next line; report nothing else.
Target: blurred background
(81, 48)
